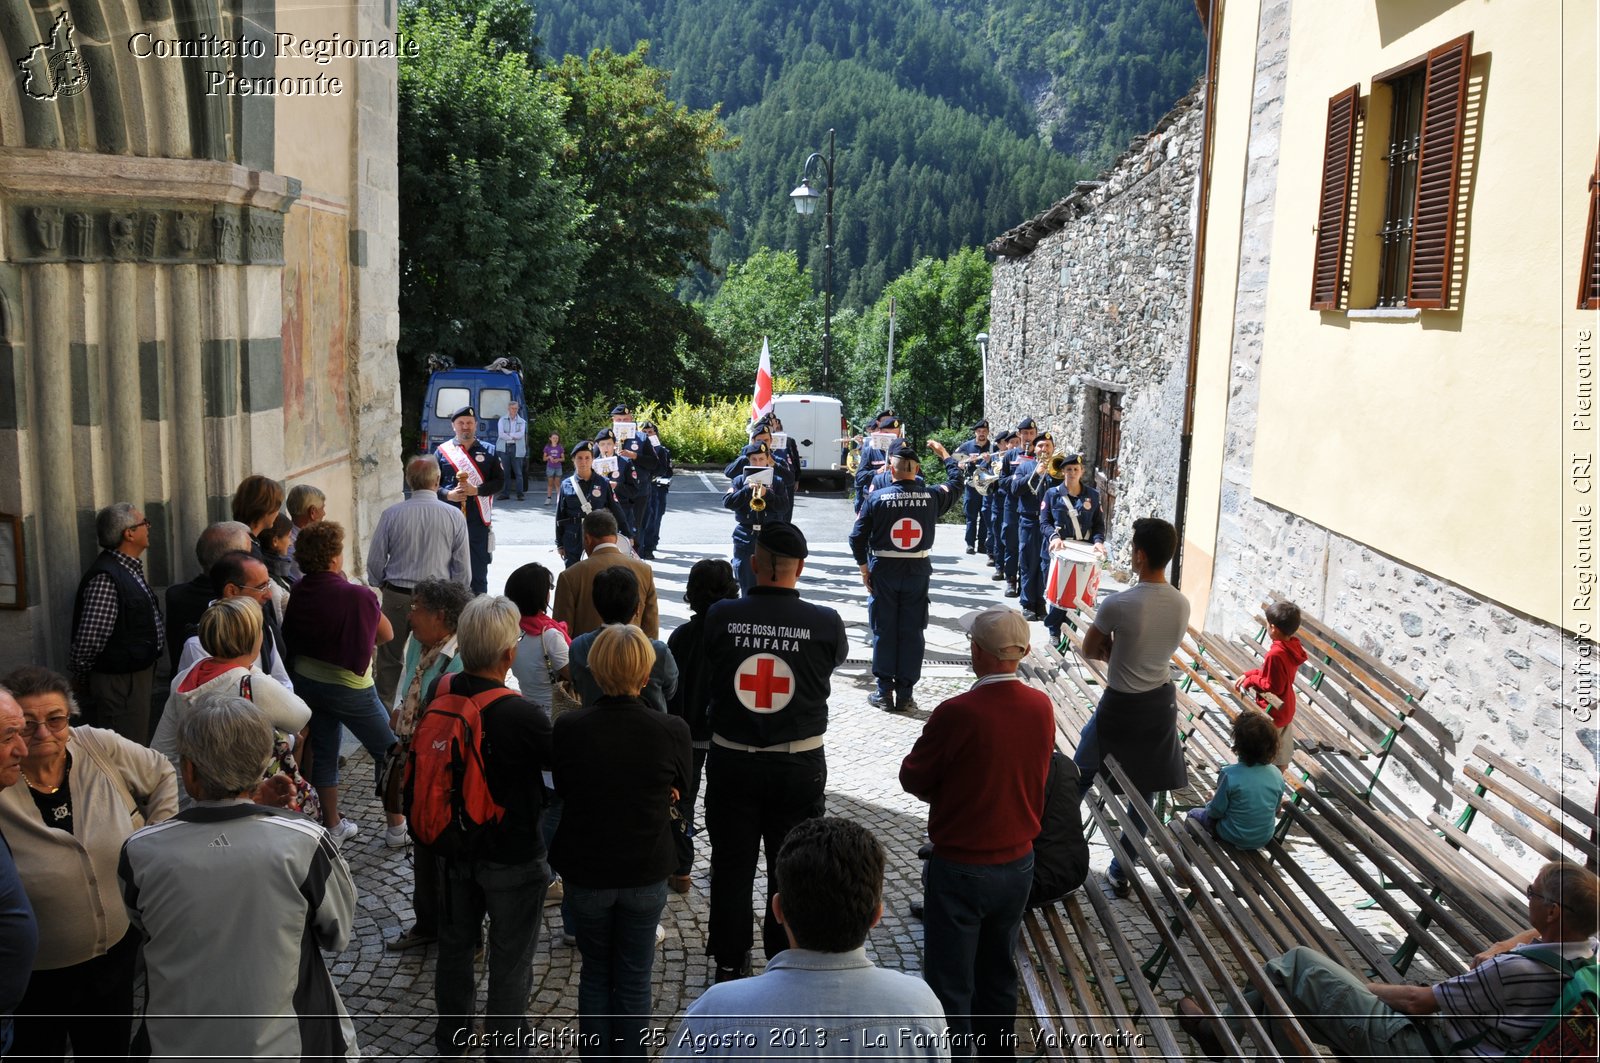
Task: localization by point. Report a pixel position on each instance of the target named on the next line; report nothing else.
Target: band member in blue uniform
(754, 505)
(582, 493)
(771, 657)
(892, 540)
(624, 482)
(661, 482)
(1030, 482)
(790, 449)
(646, 460)
(972, 501)
(1010, 529)
(1071, 513)
(993, 510)
(470, 477)
(872, 459)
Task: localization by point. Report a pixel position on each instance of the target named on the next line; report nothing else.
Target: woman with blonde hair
(618, 765)
(230, 633)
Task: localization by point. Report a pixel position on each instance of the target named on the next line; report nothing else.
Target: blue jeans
(616, 930)
(512, 896)
(334, 706)
(972, 914)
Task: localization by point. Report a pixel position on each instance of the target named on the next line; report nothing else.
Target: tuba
(983, 475)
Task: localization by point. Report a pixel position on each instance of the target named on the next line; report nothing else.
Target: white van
(816, 423)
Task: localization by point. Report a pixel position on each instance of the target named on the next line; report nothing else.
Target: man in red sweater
(980, 763)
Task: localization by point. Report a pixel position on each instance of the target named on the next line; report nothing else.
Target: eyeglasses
(57, 724)
(255, 588)
(141, 524)
(1535, 895)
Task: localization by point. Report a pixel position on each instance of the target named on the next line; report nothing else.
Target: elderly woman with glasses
(86, 791)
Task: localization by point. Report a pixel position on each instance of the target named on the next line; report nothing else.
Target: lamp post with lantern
(805, 199)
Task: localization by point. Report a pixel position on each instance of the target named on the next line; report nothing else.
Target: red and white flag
(761, 405)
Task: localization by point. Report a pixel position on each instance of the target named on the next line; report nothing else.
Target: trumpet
(758, 498)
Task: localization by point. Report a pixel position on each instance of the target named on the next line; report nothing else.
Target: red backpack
(447, 800)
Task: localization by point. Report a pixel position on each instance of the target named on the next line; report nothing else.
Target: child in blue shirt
(1245, 808)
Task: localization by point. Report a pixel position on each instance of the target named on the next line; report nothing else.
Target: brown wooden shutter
(1444, 109)
(1333, 213)
(1589, 281)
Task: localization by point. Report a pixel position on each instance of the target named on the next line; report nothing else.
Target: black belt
(396, 588)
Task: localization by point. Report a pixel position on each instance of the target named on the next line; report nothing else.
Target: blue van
(489, 390)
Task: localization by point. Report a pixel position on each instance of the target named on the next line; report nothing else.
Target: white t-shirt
(1146, 623)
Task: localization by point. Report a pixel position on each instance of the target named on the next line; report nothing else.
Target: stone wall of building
(1493, 677)
(1090, 301)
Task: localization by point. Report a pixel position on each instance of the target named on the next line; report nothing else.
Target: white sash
(577, 490)
(462, 462)
(1072, 515)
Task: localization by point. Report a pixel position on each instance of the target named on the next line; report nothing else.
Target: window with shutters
(1399, 215)
(1404, 190)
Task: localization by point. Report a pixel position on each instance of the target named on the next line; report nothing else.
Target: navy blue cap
(903, 450)
(757, 448)
(465, 411)
(983, 423)
(783, 539)
(1074, 459)
(605, 433)
(1026, 422)
(619, 410)
(584, 446)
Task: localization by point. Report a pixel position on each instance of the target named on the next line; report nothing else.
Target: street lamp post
(983, 356)
(805, 199)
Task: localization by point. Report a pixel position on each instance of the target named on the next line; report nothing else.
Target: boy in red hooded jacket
(1274, 680)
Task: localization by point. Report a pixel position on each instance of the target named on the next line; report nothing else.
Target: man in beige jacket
(575, 588)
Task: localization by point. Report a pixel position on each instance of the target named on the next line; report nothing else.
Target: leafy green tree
(642, 163)
(769, 296)
(489, 242)
(940, 307)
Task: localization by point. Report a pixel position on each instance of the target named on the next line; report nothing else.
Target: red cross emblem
(764, 683)
(906, 534)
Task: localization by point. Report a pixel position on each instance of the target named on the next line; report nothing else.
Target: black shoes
(1012, 591)
(997, 575)
(882, 701)
(905, 703)
(972, 549)
(1031, 615)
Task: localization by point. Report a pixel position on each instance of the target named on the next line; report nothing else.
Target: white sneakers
(346, 829)
(396, 837)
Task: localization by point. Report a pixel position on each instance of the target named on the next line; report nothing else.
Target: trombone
(1054, 467)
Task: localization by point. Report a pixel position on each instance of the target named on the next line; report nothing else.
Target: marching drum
(1074, 576)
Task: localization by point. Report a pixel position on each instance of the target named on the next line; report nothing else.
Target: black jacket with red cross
(772, 658)
(899, 520)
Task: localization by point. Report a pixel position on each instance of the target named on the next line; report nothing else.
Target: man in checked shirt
(117, 631)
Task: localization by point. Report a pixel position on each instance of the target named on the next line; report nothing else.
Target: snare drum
(1074, 576)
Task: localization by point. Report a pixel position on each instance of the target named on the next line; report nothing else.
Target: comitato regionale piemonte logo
(55, 68)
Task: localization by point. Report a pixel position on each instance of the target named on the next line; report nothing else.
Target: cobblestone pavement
(390, 995)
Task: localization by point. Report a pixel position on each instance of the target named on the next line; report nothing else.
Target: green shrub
(698, 433)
